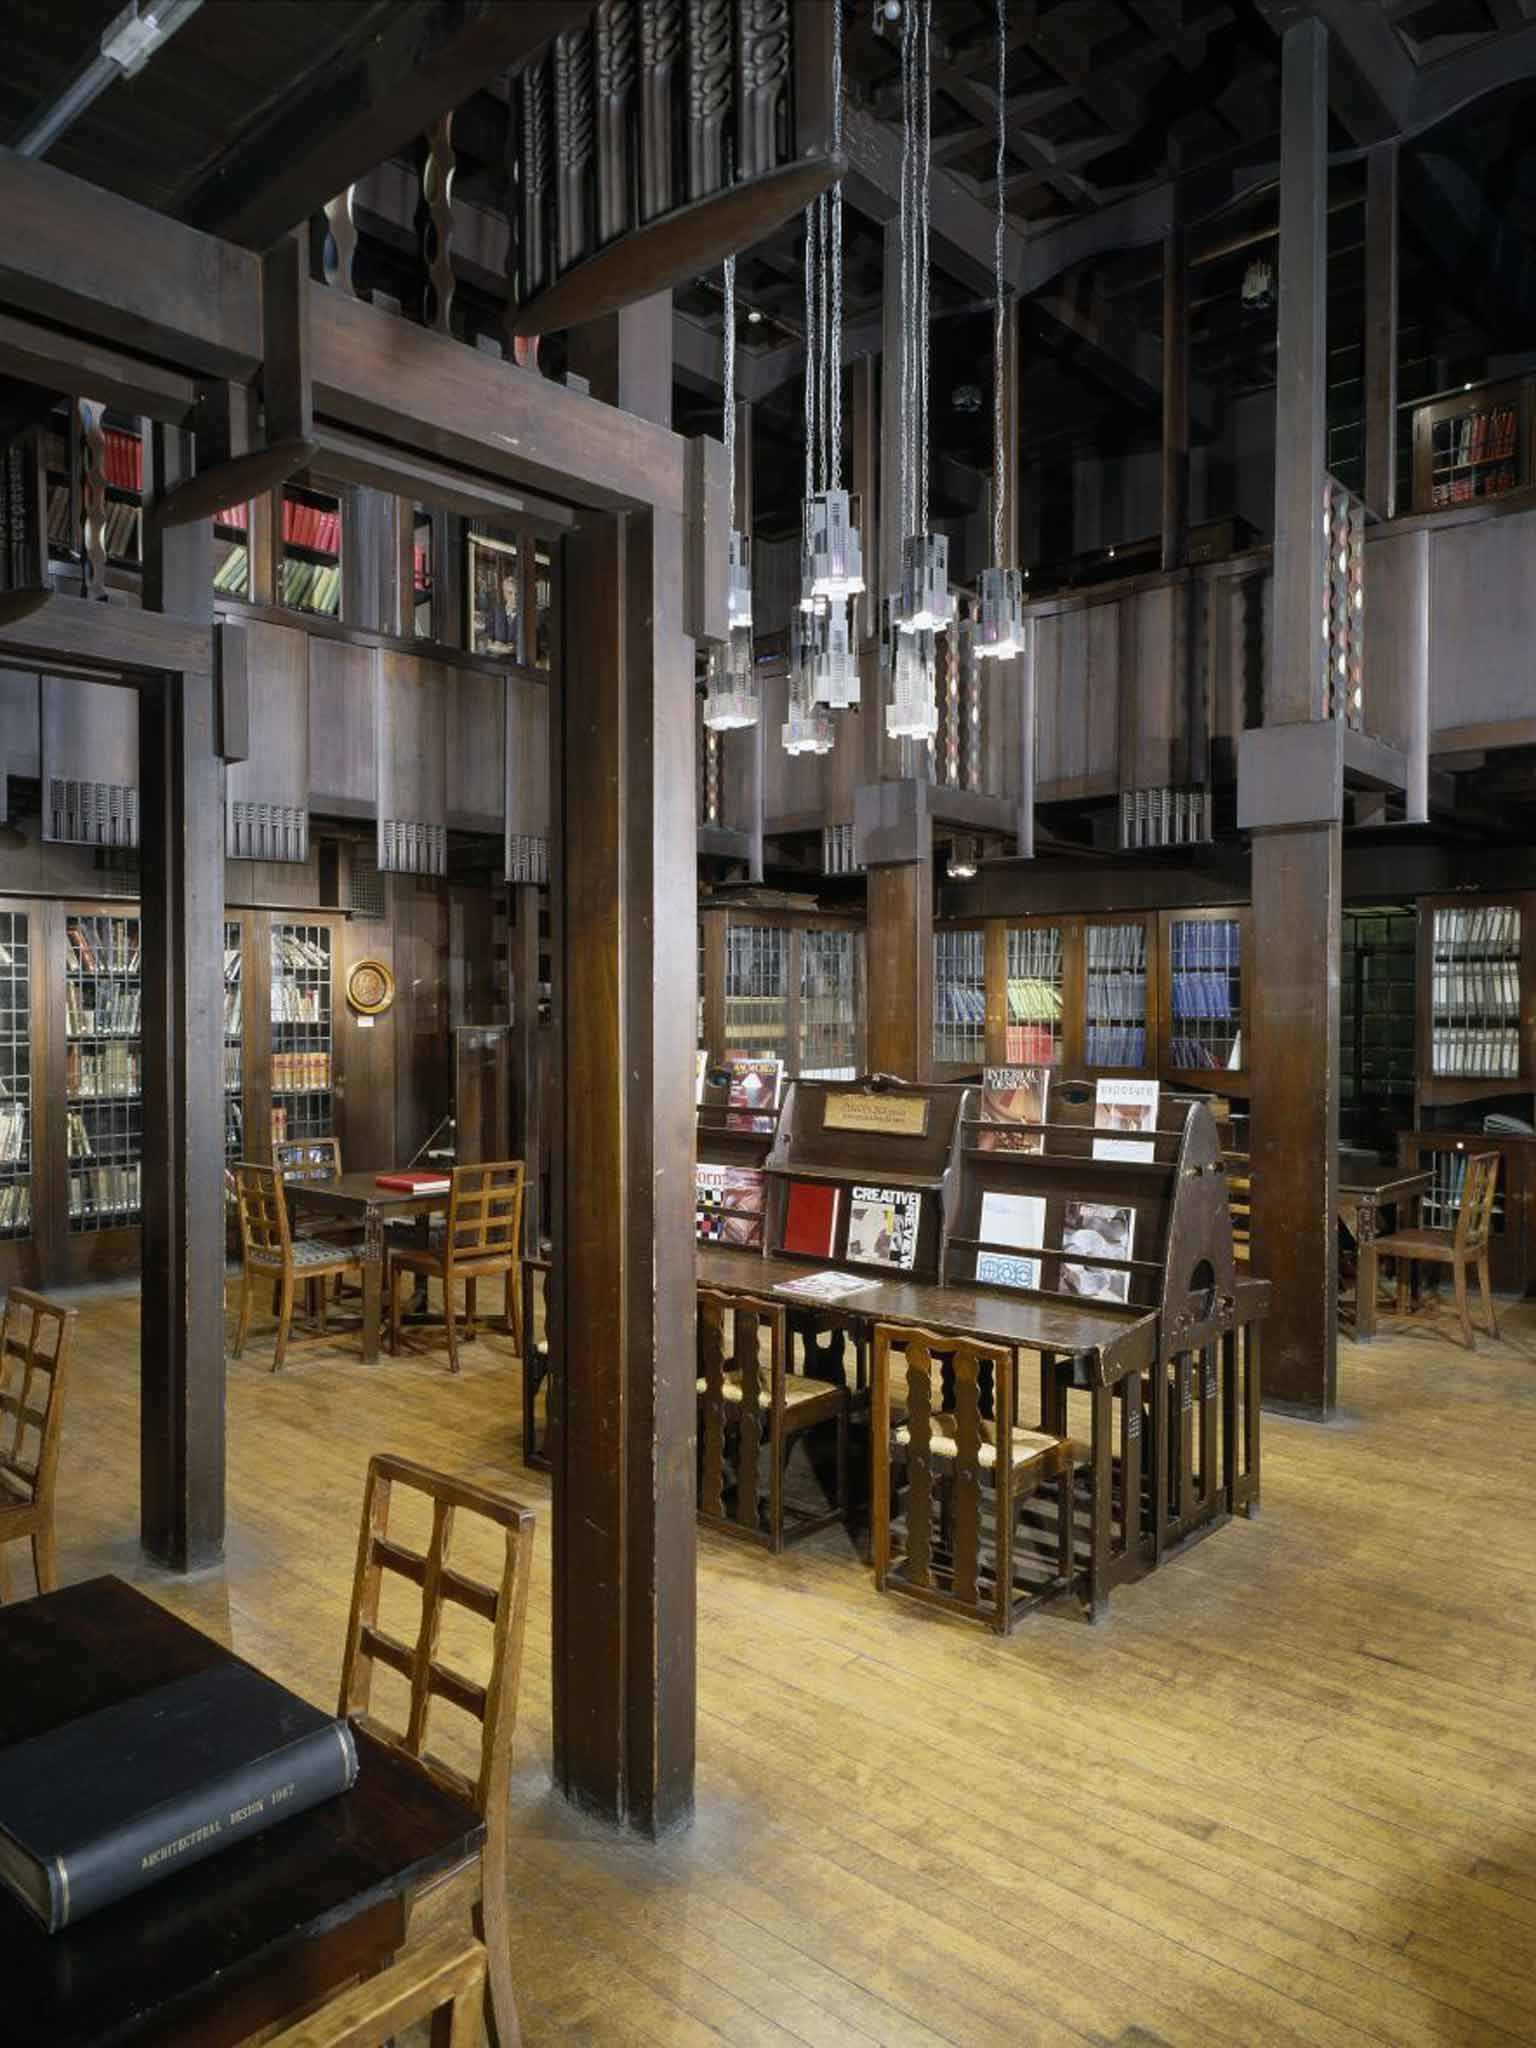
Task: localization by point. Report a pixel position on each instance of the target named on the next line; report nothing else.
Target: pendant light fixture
(731, 692)
(832, 554)
(923, 605)
(1000, 614)
(808, 727)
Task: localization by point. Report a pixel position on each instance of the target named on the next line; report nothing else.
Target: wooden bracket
(234, 482)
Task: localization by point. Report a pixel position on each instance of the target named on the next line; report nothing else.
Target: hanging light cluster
(1000, 615)
(923, 606)
(824, 668)
(731, 692)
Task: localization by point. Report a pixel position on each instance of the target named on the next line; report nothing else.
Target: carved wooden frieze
(572, 73)
(661, 45)
(536, 171)
(613, 50)
(434, 224)
(762, 85)
(709, 93)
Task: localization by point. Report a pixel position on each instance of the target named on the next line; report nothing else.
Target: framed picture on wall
(495, 595)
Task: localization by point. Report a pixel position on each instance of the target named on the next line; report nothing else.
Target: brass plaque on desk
(898, 1116)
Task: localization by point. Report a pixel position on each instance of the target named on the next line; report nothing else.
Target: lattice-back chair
(751, 1411)
(36, 1337)
(937, 1470)
(443, 1981)
(269, 1252)
(314, 1159)
(492, 1701)
(482, 1237)
(1468, 1244)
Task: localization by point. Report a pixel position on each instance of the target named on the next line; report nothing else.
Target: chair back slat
(263, 1210)
(485, 1210)
(1474, 1220)
(443, 1981)
(730, 1362)
(36, 1337)
(493, 1701)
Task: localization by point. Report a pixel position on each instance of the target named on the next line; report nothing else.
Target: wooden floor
(1283, 1794)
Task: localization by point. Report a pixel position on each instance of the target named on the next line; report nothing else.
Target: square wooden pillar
(622, 1302)
(899, 944)
(181, 860)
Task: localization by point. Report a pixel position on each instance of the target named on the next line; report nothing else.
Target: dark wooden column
(626, 358)
(1291, 794)
(1381, 330)
(1175, 397)
(623, 1301)
(523, 992)
(181, 857)
(900, 969)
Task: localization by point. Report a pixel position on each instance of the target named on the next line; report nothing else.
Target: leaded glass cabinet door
(959, 999)
(16, 1064)
(757, 992)
(103, 1071)
(831, 1003)
(1034, 995)
(1119, 995)
(1204, 970)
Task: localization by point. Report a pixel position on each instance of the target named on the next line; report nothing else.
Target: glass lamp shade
(738, 599)
(1000, 617)
(732, 697)
(926, 604)
(834, 665)
(913, 712)
(807, 729)
(832, 557)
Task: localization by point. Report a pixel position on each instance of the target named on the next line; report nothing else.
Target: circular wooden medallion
(370, 987)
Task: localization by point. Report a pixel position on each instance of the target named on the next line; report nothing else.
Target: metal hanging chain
(823, 382)
(925, 110)
(907, 366)
(1000, 425)
(835, 265)
(729, 348)
(810, 351)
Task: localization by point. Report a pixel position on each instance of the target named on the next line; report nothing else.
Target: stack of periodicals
(1116, 1025)
(1475, 992)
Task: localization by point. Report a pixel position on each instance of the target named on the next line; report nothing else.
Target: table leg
(1365, 1270)
(373, 1283)
(1101, 1511)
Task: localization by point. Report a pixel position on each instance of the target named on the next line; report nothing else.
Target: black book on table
(116, 1800)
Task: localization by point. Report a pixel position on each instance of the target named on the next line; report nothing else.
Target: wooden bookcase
(1472, 445)
(1476, 984)
(783, 984)
(1154, 994)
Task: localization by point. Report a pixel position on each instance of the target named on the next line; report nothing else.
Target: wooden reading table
(1361, 1193)
(358, 1198)
(204, 1959)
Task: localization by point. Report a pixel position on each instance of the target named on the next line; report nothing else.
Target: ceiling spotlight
(754, 317)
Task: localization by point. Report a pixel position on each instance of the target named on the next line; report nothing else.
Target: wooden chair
(270, 1252)
(482, 1237)
(535, 1354)
(443, 1981)
(757, 1406)
(35, 1339)
(932, 1443)
(1466, 1245)
(315, 1159)
(480, 1884)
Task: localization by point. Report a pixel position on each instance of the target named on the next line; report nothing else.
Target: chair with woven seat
(35, 1340)
(315, 1159)
(441, 1981)
(479, 1886)
(481, 1238)
(938, 1470)
(1467, 1244)
(269, 1251)
(735, 1383)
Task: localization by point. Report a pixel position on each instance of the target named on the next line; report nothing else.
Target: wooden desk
(204, 1959)
(359, 1198)
(1361, 1193)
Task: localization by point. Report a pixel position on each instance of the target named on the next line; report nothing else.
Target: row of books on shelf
(291, 950)
(1030, 1000)
(103, 1191)
(17, 534)
(115, 1012)
(295, 1072)
(96, 1072)
(13, 1133)
(1494, 1053)
(292, 1004)
(1032, 1045)
(304, 526)
(302, 1124)
(960, 1002)
(1115, 1045)
(233, 575)
(123, 459)
(1486, 988)
(232, 1066)
(1480, 483)
(232, 1012)
(1200, 942)
(1495, 926)
(1480, 436)
(1203, 995)
(119, 525)
(102, 945)
(15, 1208)
(1191, 1054)
(1117, 946)
(1117, 993)
(315, 586)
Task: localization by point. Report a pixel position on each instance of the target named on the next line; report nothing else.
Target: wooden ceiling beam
(401, 66)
